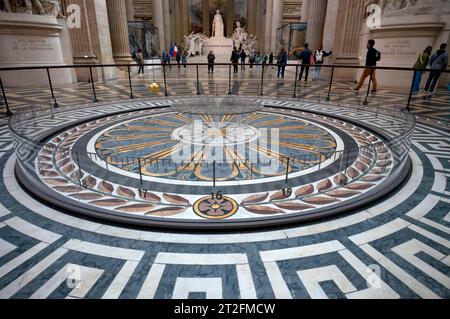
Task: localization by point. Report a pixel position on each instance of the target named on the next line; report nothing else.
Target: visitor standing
(271, 58)
(319, 56)
(252, 59)
(183, 58)
(211, 59)
(438, 63)
(281, 63)
(140, 61)
(421, 64)
(305, 57)
(178, 58)
(235, 60)
(243, 56)
(372, 57)
(264, 58)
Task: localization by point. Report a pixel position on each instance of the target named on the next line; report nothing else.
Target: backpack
(318, 56)
(378, 57)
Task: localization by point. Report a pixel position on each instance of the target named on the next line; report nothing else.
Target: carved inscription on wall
(398, 47)
(32, 45)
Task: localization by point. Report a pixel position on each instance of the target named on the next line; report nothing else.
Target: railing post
(411, 91)
(93, 85)
(368, 87)
(55, 104)
(295, 81)
(8, 111)
(165, 80)
(229, 79)
(129, 82)
(140, 169)
(331, 82)
(214, 174)
(262, 81)
(198, 82)
(287, 169)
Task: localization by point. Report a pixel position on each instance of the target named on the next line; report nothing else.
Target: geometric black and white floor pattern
(399, 247)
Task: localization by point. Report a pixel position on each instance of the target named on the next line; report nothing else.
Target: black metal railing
(260, 90)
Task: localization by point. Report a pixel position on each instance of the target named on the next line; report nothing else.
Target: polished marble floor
(399, 247)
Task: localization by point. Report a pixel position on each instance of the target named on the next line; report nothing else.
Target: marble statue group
(41, 7)
(195, 43)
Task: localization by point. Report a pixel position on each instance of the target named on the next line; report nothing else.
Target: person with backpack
(305, 57)
(211, 57)
(140, 61)
(318, 57)
(421, 63)
(372, 57)
(438, 63)
(282, 59)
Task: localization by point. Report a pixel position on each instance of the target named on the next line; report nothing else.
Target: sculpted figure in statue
(393, 8)
(42, 7)
(238, 35)
(51, 8)
(217, 27)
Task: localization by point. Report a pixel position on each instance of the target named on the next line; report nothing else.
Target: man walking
(372, 57)
(438, 63)
(305, 57)
(319, 56)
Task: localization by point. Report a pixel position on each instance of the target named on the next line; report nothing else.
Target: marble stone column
(347, 38)
(230, 18)
(186, 17)
(316, 19)
(205, 18)
(130, 10)
(277, 17)
(118, 28)
(158, 22)
(268, 24)
(260, 28)
(167, 26)
(251, 17)
(304, 11)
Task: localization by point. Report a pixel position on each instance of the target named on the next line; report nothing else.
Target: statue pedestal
(32, 40)
(222, 48)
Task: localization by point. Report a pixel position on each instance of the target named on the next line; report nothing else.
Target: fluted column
(158, 22)
(186, 21)
(316, 19)
(304, 11)
(348, 36)
(166, 19)
(277, 17)
(230, 18)
(205, 18)
(268, 27)
(118, 27)
(251, 15)
(130, 10)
